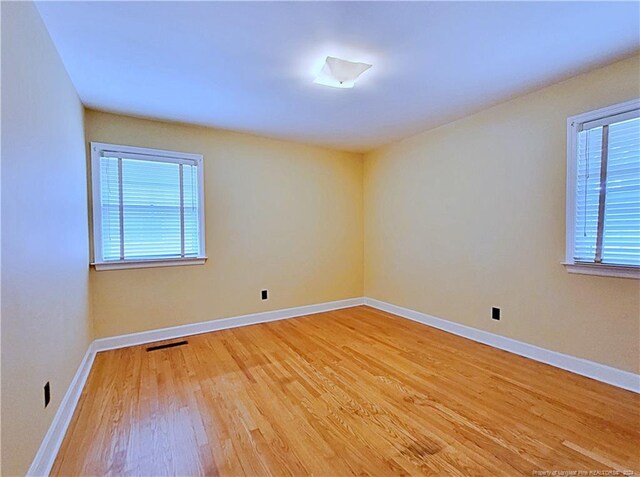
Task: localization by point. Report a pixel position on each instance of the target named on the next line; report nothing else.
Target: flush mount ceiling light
(340, 73)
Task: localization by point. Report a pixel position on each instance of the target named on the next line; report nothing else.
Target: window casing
(148, 207)
(603, 191)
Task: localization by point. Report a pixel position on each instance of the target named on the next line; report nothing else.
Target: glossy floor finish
(349, 392)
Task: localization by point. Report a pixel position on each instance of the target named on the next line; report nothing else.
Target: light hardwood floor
(350, 392)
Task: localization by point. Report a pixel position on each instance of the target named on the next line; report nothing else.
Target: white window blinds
(149, 207)
(607, 201)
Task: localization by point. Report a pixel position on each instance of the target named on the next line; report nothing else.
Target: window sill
(603, 270)
(174, 262)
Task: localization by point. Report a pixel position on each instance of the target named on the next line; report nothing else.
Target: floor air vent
(168, 345)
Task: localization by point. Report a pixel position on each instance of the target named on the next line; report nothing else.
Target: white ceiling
(250, 66)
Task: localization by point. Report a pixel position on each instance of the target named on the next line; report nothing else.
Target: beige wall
(45, 323)
(472, 215)
(280, 216)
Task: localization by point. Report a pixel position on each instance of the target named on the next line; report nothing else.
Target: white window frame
(574, 126)
(97, 149)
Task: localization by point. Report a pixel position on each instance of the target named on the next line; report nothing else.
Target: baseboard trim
(46, 455)
(600, 372)
(122, 341)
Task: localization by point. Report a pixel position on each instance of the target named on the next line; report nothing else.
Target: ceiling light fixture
(340, 73)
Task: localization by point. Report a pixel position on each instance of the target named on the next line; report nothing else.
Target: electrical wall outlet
(264, 294)
(47, 394)
(495, 313)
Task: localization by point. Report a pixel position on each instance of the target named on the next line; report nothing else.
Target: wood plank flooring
(349, 392)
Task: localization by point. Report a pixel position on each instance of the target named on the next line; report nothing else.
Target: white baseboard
(143, 337)
(46, 455)
(52, 441)
(590, 369)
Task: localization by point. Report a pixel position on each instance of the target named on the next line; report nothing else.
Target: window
(603, 191)
(148, 207)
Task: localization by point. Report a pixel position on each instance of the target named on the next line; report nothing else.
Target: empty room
(326, 238)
